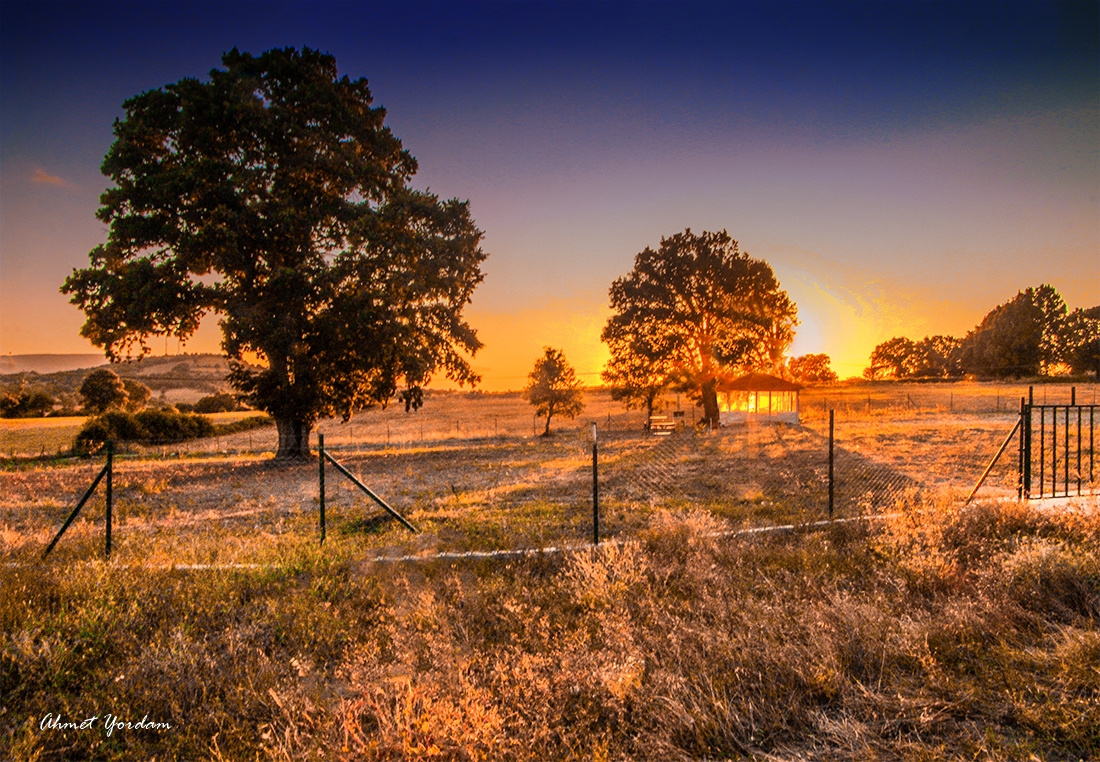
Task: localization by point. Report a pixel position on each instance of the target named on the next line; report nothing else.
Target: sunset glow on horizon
(903, 167)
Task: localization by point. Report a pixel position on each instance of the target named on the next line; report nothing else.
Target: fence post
(1020, 459)
(1025, 434)
(321, 480)
(595, 487)
(831, 480)
(110, 492)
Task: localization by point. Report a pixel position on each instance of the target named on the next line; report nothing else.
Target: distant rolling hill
(174, 378)
(48, 363)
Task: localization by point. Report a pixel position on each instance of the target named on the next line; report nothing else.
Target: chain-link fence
(478, 483)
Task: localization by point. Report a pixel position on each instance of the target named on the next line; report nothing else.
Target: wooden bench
(662, 425)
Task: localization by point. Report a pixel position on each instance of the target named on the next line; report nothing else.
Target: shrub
(162, 426)
(24, 403)
(152, 426)
(245, 424)
(216, 403)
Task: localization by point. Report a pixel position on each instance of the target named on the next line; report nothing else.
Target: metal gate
(1057, 449)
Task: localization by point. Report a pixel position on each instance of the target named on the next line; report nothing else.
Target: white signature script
(111, 723)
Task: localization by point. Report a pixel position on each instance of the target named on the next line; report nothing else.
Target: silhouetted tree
(1017, 338)
(812, 369)
(102, 390)
(274, 195)
(892, 358)
(25, 403)
(636, 375)
(1079, 341)
(696, 310)
(553, 388)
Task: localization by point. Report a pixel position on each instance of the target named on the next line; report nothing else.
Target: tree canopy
(812, 369)
(1017, 338)
(693, 312)
(553, 388)
(274, 195)
(102, 390)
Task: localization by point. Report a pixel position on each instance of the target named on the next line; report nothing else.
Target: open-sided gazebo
(758, 397)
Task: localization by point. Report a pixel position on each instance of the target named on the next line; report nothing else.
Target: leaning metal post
(72, 516)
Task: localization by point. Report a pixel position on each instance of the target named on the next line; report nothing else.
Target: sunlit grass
(939, 634)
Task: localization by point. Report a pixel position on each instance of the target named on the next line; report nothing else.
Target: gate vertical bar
(831, 479)
(110, 493)
(321, 480)
(1092, 449)
(1078, 450)
(1065, 464)
(1054, 451)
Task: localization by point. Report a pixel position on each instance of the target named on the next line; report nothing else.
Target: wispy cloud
(41, 176)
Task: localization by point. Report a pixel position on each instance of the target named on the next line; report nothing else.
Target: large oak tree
(695, 311)
(273, 194)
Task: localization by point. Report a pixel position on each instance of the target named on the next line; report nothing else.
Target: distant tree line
(102, 391)
(1032, 334)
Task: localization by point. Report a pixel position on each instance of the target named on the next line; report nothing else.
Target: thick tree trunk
(293, 438)
(710, 403)
(546, 431)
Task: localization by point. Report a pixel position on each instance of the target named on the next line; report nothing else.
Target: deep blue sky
(903, 165)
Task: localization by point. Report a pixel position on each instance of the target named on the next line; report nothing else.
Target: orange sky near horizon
(903, 167)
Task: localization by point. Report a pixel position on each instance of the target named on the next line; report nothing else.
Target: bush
(245, 424)
(25, 403)
(216, 403)
(149, 426)
(162, 426)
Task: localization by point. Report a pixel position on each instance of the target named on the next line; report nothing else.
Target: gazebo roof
(759, 382)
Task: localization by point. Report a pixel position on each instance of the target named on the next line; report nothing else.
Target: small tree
(636, 376)
(553, 388)
(101, 391)
(137, 395)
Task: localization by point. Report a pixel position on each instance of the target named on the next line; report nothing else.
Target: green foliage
(216, 403)
(280, 179)
(693, 312)
(102, 390)
(250, 423)
(553, 388)
(26, 403)
(150, 426)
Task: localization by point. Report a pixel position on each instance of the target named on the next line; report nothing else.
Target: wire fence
(482, 481)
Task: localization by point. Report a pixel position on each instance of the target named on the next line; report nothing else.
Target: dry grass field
(940, 633)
